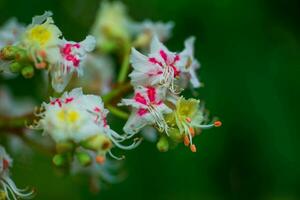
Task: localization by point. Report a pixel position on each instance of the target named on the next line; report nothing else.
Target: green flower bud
(99, 142)
(163, 144)
(8, 52)
(175, 134)
(21, 55)
(84, 158)
(15, 67)
(28, 71)
(65, 147)
(59, 160)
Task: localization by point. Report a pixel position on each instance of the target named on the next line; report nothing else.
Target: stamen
(193, 148)
(100, 159)
(186, 140)
(217, 123)
(192, 131)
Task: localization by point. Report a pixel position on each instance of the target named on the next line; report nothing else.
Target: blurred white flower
(148, 29)
(188, 64)
(112, 25)
(8, 189)
(98, 74)
(11, 32)
(10, 106)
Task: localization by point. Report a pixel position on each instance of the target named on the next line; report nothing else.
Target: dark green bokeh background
(250, 55)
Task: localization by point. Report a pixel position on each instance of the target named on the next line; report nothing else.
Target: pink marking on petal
(163, 55)
(76, 62)
(177, 58)
(176, 71)
(140, 99)
(69, 57)
(68, 100)
(66, 49)
(77, 45)
(151, 94)
(104, 121)
(97, 109)
(155, 61)
(142, 111)
(56, 101)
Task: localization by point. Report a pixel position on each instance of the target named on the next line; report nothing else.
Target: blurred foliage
(250, 56)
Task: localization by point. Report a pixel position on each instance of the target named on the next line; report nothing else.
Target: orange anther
(192, 131)
(186, 140)
(41, 65)
(188, 119)
(217, 123)
(42, 53)
(100, 159)
(193, 148)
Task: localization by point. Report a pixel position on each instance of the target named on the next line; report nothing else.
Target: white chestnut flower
(160, 67)
(41, 40)
(148, 108)
(77, 117)
(72, 57)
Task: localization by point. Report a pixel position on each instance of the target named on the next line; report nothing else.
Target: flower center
(40, 34)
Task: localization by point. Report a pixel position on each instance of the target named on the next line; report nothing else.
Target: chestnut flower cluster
(85, 90)
(158, 80)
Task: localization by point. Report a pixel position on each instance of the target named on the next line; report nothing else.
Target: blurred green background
(250, 56)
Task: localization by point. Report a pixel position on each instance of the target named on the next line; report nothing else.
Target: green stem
(117, 112)
(125, 65)
(115, 93)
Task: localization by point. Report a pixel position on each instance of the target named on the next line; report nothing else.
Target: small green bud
(15, 67)
(163, 144)
(21, 55)
(28, 71)
(8, 52)
(84, 158)
(64, 147)
(175, 134)
(97, 142)
(59, 160)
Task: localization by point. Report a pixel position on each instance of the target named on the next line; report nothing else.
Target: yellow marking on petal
(68, 116)
(73, 116)
(40, 34)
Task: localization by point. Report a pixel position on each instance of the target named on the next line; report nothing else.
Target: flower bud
(15, 67)
(97, 143)
(21, 55)
(59, 160)
(64, 147)
(163, 144)
(175, 135)
(28, 71)
(8, 52)
(83, 158)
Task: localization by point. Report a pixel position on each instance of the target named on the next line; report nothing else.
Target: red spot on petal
(5, 164)
(163, 55)
(140, 99)
(142, 111)
(151, 94)
(68, 100)
(154, 61)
